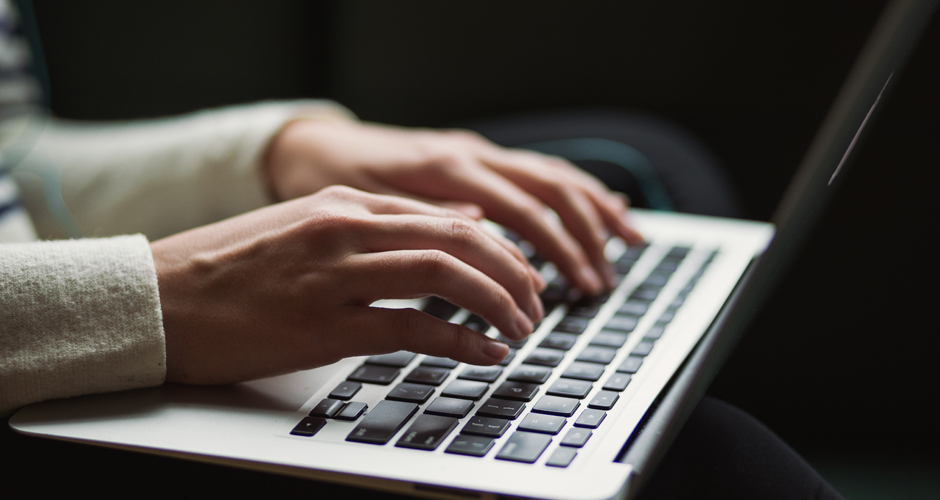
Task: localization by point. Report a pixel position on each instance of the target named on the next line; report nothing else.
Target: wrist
(294, 159)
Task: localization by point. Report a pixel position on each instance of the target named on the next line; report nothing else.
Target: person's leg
(722, 452)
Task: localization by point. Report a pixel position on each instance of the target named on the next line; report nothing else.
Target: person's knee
(723, 452)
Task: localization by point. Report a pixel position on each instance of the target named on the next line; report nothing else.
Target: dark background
(841, 361)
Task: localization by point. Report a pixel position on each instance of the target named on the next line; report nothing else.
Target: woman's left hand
(461, 170)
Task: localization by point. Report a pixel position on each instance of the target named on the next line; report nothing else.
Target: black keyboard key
(558, 340)
(415, 393)
(465, 389)
(546, 424)
(584, 371)
(554, 405)
(597, 354)
(429, 375)
(622, 323)
(509, 357)
(518, 391)
(625, 263)
(545, 357)
(326, 408)
(646, 293)
(309, 426)
(374, 374)
(474, 446)
(609, 339)
(618, 382)
(427, 432)
(449, 407)
(604, 400)
(576, 437)
(481, 373)
(553, 295)
(477, 323)
(630, 365)
(643, 348)
(677, 302)
(380, 424)
(657, 279)
(634, 252)
(572, 324)
(600, 298)
(513, 344)
(585, 308)
(399, 359)
(634, 308)
(655, 332)
(501, 408)
(531, 373)
(668, 266)
(345, 390)
(562, 457)
(678, 252)
(623, 268)
(352, 411)
(440, 308)
(486, 426)
(570, 388)
(524, 447)
(590, 419)
(439, 362)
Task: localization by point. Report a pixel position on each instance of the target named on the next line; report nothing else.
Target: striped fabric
(19, 94)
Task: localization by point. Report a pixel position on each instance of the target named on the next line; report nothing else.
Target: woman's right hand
(290, 286)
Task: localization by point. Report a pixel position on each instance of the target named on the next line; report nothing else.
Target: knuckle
(504, 301)
(465, 135)
(461, 340)
(404, 324)
(340, 192)
(522, 275)
(464, 232)
(333, 225)
(434, 264)
(440, 164)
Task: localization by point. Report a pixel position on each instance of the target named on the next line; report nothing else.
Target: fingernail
(537, 279)
(523, 324)
(590, 276)
(628, 232)
(537, 312)
(638, 238)
(495, 350)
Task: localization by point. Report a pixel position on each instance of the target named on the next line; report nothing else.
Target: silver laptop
(583, 409)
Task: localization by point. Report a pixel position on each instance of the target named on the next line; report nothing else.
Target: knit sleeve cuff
(78, 317)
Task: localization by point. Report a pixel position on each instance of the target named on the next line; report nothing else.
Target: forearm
(158, 177)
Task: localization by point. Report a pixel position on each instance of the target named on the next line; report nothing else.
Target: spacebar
(380, 424)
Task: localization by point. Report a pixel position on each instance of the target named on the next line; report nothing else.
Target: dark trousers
(725, 453)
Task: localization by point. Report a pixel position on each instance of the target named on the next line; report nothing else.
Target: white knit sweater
(83, 316)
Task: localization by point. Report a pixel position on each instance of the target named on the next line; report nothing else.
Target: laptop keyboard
(438, 397)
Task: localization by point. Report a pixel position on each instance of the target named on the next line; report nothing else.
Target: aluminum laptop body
(710, 276)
